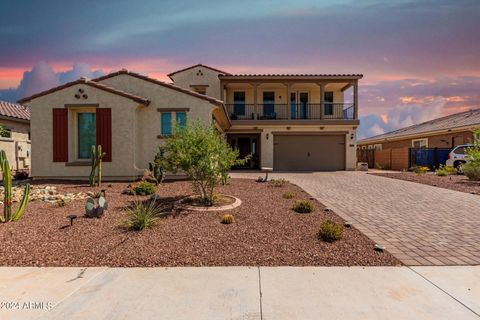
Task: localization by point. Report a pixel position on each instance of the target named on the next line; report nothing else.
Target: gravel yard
(266, 232)
(452, 182)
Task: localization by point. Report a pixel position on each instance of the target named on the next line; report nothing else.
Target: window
(5, 132)
(201, 90)
(239, 103)
(87, 133)
(377, 147)
(460, 150)
(166, 124)
(269, 104)
(328, 103)
(181, 119)
(420, 143)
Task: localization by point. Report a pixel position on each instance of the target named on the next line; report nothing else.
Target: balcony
(301, 111)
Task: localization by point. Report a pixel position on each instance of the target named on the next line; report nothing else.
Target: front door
(293, 105)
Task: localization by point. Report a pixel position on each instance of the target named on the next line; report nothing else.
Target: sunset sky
(420, 59)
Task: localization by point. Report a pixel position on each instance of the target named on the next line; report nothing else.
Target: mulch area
(266, 232)
(452, 182)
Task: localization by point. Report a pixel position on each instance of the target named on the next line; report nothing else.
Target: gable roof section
(196, 66)
(91, 84)
(160, 83)
(14, 110)
(291, 75)
(457, 120)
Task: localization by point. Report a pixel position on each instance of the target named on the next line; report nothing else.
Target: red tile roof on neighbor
(14, 110)
(161, 83)
(453, 121)
(196, 66)
(92, 84)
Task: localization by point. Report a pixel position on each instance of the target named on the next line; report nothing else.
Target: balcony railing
(299, 111)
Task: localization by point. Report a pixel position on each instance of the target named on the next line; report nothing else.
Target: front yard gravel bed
(452, 182)
(266, 232)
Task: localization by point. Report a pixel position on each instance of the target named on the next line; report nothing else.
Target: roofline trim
(88, 83)
(158, 82)
(196, 66)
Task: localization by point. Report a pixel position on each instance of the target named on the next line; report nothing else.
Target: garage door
(309, 152)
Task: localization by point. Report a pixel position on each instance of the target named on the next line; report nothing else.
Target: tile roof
(457, 120)
(320, 75)
(14, 110)
(196, 66)
(161, 83)
(92, 84)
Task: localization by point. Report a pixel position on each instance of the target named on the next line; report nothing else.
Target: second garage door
(309, 152)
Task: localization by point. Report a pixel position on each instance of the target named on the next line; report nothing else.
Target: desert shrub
(288, 195)
(227, 219)
(471, 169)
(141, 215)
(330, 231)
(278, 182)
(144, 188)
(419, 169)
(203, 155)
(445, 170)
(303, 206)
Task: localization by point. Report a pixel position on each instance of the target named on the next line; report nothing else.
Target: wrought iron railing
(297, 111)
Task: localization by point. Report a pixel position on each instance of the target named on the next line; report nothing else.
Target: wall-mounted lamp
(352, 135)
(267, 136)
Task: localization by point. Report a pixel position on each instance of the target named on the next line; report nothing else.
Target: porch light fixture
(352, 135)
(267, 136)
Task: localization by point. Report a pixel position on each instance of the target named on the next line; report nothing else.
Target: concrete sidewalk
(241, 293)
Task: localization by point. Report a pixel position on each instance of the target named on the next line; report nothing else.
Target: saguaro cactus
(96, 169)
(7, 186)
(157, 166)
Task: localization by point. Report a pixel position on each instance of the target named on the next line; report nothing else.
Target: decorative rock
(379, 247)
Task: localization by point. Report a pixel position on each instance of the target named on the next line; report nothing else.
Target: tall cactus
(7, 186)
(96, 169)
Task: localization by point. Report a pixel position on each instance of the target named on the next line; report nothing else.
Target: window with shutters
(181, 119)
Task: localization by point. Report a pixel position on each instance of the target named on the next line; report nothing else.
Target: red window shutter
(104, 132)
(60, 135)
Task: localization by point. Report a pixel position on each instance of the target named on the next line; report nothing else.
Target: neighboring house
(15, 137)
(288, 122)
(443, 133)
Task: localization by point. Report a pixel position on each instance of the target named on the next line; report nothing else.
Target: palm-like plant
(142, 215)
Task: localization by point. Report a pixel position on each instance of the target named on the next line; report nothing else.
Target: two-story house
(287, 122)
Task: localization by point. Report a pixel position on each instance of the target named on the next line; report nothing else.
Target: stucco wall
(266, 145)
(123, 137)
(148, 118)
(199, 76)
(19, 138)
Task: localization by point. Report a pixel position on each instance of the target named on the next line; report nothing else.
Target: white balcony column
(322, 96)
(222, 93)
(287, 99)
(355, 100)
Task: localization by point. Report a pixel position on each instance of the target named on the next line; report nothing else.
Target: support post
(355, 100)
(287, 98)
(322, 99)
(255, 104)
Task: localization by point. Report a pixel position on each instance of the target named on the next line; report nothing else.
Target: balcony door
(269, 104)
(293, 105)
(238, 103)
(302, 105)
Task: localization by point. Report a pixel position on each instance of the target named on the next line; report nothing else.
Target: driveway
(419, 224)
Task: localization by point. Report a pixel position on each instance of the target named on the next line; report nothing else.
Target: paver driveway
(419, 224)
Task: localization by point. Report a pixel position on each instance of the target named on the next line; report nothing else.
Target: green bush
(303, 206)
(142, 215)
(278, 182)
(419, 169)
(472, 168)
(330, 231)
(288, 195)
(144, 188)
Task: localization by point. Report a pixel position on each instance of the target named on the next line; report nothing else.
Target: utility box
(362, 166)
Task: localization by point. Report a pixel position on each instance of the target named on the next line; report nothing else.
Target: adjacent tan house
(288, 122)
(15, 137)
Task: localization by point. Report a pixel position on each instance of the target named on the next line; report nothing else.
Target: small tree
(203, 154)
(4, 132)
(472, 168)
